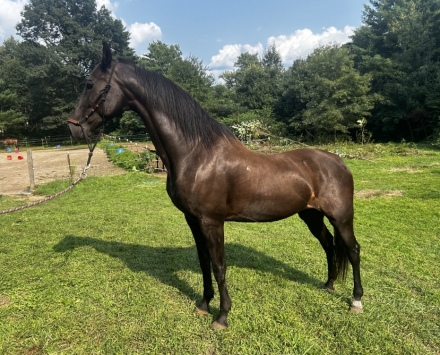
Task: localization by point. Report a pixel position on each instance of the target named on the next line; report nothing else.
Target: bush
(126, 159)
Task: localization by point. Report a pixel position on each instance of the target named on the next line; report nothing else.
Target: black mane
(164, 95)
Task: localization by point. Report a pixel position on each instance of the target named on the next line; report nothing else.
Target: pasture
(111, 268)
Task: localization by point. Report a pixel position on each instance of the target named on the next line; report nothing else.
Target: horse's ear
(106, 59)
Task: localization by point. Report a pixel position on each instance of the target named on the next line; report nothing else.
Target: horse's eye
(89, 85)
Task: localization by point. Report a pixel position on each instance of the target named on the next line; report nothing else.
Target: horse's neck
(165, 134)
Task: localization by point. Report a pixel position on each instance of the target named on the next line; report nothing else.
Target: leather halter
(103, 97)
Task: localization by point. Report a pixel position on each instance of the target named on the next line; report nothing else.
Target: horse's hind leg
(344, 232)
(315, 221)
(205, 264)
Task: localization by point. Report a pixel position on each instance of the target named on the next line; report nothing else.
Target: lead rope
(82, 176)
(91, 146)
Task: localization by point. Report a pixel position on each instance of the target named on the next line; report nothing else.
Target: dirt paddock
(49, 164)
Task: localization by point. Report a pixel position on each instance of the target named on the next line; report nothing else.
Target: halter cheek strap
(102, 96)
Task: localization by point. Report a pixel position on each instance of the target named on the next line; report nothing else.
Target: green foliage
(326, 94)
(388, 75)
(255, 124)
(131, 124)
(126, 159)
(47, 70)
(161, 57)
(399, 47)
(75, 29)
(193, 77)
(10, 117)
(256, 82)
(189, 73)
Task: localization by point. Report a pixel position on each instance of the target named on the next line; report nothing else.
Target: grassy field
(111, 268)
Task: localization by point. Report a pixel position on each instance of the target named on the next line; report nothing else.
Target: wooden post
(70, 167)
(31, 169)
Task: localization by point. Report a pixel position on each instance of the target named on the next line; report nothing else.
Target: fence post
(70, 167)
(31, 169)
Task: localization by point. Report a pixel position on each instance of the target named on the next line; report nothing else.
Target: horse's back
(320, 161)
(264, 187)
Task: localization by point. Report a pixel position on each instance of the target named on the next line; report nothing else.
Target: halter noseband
(103, 97)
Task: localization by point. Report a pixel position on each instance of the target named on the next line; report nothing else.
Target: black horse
(213, 177)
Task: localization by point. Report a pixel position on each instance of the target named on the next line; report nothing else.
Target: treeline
(383, 85)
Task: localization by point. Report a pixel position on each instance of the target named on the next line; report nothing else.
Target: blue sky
(218, 31)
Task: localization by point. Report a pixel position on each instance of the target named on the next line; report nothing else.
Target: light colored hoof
(200, 312)
(217, 326)
(356, 307)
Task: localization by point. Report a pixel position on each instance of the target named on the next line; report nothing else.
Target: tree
(131, 124)
(10, 118)
(61, 39)
(189, 73)
(74, 30)
(399, 45)
(13, 90)
(326, 94)
(161, 57)
(255, 82)
(193, 77)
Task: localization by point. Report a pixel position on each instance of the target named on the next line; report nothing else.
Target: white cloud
(9, 17)
(111, 6)
(142, 34)
(303, 42)
(298, 44)
(228, 55)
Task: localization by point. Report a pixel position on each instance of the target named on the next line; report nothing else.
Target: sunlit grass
(111, 268)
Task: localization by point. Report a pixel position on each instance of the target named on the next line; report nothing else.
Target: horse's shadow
(163, 263)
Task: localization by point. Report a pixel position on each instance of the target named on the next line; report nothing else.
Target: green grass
(111, 268)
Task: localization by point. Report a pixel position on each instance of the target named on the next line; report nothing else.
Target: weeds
(126, 159)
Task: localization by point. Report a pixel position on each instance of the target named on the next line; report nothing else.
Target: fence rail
(68, 141)
(21, 171)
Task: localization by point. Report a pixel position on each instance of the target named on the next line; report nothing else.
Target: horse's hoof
(328, 289)
(356, 307)
(200, 312)
(218, 326)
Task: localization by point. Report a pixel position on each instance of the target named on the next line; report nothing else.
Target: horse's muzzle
(71, 120)
(75, 129)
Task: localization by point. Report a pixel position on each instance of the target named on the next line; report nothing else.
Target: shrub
(126, 159)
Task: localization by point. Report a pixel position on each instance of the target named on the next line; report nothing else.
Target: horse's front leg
(213, 230)
(205, 264)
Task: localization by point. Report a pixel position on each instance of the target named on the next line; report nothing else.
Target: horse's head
(101, 99)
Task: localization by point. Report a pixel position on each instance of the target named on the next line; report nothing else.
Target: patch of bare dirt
(371, 193)
(406, 170)
(4, 301)
(49, 165)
